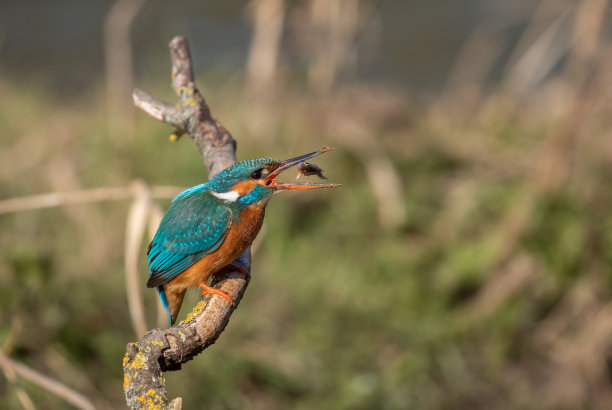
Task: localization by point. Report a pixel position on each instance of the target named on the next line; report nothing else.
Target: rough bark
(163, 350)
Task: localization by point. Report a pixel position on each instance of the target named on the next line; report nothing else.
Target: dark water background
(411, 44)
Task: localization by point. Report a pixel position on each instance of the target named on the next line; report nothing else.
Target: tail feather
(171, 301)
(164, 301)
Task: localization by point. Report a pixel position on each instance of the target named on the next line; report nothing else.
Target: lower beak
(288, 163)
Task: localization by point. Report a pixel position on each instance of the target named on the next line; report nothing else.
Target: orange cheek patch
(244, 187)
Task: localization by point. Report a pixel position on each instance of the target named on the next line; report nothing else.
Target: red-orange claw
(215, 291)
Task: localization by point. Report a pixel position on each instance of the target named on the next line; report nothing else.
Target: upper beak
(271, 181)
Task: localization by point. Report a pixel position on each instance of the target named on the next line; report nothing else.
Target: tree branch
(59, 389)
(160, 110)
(84, 196)
(162, 350)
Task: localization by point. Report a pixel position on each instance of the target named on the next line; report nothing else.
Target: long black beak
(288, 163)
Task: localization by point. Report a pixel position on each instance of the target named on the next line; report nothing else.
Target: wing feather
(194, 226)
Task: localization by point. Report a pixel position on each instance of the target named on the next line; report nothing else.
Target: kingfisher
(207, 226)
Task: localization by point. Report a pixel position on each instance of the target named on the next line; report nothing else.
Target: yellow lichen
(151, 403)
(140, 361)
(126, 381)
(195, 312)
(157, 343)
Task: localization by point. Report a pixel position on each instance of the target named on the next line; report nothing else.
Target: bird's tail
(171, 299)
(164, 301)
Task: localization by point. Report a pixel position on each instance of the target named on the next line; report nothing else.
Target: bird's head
(254, 181)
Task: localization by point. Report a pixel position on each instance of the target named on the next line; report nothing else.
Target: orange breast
(240, 236)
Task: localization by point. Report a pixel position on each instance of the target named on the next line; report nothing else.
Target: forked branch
(162, 350)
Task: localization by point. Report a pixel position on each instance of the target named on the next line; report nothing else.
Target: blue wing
(194, 226)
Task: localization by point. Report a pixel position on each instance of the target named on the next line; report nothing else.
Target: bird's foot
(215, 291)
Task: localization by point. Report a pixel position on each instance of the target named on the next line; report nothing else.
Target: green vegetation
(492, 291)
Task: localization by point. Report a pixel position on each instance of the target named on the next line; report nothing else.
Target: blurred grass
(342, 311)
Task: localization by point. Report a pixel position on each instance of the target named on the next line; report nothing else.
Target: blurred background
(465, 262)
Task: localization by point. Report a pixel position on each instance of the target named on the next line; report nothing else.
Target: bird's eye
(256, 174)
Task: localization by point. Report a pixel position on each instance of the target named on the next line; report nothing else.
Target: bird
(209, 225)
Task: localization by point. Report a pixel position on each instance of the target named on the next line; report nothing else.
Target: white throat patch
(229, 196)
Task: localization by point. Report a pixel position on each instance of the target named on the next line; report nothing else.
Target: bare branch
(156, 214)
(215, 143)
(118, 61)
(23, 396)
(9, 372)
(53, 386)
(134, 233)
(176, 404)
(81, 197)
(167, 349)
(267, 18)
(161, 110)
(182, 68)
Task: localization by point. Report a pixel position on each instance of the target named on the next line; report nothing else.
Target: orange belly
(240, 236)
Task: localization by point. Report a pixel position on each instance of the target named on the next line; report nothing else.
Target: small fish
(307, 169)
